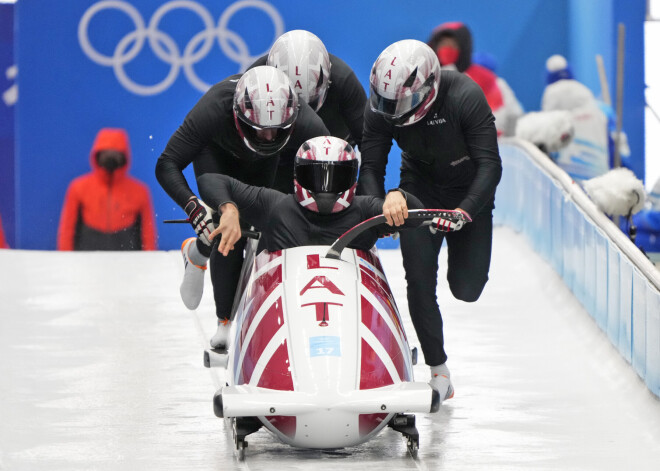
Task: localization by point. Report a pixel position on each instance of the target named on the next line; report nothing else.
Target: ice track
(101, 369)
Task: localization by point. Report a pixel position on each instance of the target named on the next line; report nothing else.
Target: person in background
(323, 81)
(450, 160)
(243, 126)
(107, 209)
(591, 150)
(452, 42)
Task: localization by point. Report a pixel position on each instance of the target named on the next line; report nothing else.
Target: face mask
(447, 55)
(111, 162)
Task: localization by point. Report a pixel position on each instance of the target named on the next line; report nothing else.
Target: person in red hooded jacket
(106, 209)
(452, 42)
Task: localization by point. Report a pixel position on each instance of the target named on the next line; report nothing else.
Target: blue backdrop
(8, 94)
(88, 64)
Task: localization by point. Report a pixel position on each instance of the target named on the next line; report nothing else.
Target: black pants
(226, 271)
(468, 260)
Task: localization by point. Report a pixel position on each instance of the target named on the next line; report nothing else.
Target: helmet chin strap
(325, 202)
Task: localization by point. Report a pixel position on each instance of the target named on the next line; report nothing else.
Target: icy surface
(101, 369)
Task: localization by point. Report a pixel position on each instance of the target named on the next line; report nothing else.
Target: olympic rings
(165, 47)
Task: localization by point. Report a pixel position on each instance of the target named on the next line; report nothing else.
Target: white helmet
(325, 174)
(265, 109)
(303, 57)
(404, 82)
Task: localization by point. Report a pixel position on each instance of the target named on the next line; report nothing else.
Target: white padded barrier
(615, 282)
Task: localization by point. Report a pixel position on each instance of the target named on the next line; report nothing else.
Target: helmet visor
(320, 176)
(266, 140)
(402, 106)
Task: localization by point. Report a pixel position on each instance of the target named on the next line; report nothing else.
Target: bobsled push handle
(250, 234)
(426, 215)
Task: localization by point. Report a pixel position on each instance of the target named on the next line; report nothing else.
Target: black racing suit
(208, 138)
(343, 108)
(284, 223)
(450, 159)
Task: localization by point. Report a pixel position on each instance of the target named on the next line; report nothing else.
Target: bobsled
(318, 354)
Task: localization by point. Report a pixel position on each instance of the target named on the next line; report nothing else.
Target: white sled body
(318, 351)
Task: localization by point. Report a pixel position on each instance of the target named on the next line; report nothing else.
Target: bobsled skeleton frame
(318, 354)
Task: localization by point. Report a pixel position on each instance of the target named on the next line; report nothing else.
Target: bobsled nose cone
(217, 404)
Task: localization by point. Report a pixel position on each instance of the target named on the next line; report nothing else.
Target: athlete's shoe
(192, 286)
(220, 340)
(441, 382)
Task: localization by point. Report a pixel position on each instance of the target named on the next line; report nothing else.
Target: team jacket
(284, 223)
(209, 130)
(104, 211)
(451, 153)
(343, 108)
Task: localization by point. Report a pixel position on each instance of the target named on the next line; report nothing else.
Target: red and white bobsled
(318, 354)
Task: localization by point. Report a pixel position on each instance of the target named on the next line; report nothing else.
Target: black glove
(200, 219)
(454, 221)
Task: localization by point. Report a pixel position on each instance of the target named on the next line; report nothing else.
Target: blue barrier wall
(70, 87)
(617, 285)
(8, 91)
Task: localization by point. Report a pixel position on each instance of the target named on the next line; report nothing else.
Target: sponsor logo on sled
(324, 346)
(316, 291)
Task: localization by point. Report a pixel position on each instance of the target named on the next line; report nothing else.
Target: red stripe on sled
(369, 422)
(384, 294)
(381, 292)
(374, 321)
(262, 287)
(285, 424)
(373, 373)
(371, 258)
(277, 374)
(272, 321)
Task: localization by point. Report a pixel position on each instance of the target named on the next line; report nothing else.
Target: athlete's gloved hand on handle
(200, 219)
(450, 224)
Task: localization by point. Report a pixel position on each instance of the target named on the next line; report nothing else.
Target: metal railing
(615, 282)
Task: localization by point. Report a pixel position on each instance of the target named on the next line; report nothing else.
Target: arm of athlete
(478, 126)
(375, 148)
(193, 135)
(236, 201)
(353, 98)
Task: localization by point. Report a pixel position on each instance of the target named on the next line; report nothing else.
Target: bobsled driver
(242, 127)
(323, 207)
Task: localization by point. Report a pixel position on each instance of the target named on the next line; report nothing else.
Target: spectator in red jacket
(452, 42)
(106, 209)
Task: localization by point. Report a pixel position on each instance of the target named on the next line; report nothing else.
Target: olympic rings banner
(143, 64)
(165, 47)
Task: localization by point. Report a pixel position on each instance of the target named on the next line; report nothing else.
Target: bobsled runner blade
(405, 425)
